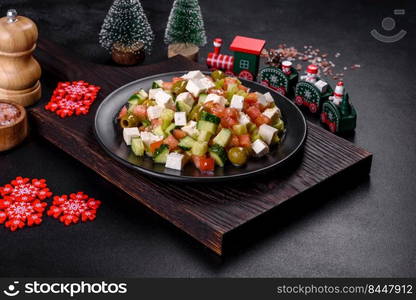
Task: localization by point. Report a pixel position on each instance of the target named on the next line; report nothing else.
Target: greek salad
(207, 120)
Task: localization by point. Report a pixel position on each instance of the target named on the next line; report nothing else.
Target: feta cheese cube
(175, 161)
(154, 112)
(244, 119)
(267, 133)
(237, 102)
(193, 75)
(262, 99)
(322, 86)
(180, 118)
(186, 98)
(164, 99)
(190, 129)
(194, 87)
(148, 137)
(216, 99)
(260, 148)
(129, 133)
(272, 113)
(153, 92)
(206, 83)
(269, 97)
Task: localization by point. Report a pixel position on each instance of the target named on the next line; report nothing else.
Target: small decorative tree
(185, 26)
(126, 26)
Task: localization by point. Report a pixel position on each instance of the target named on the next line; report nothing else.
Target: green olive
(179, 87)
(237, 156)
(129, 121)
(218, 75)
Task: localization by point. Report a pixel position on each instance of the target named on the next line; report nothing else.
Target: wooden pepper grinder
(19, 71)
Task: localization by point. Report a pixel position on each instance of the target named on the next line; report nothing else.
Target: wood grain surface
(207, 212)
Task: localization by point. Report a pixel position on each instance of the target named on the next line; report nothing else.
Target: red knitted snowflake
(26, 190)
(74, 208)
(17, 214)
(69, 98)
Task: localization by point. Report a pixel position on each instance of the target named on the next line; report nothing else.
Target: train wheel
(281, 90)
(265, 83)
(323, 117)
(299, 100)
(313, 108)
(246, 75)
(333, 127)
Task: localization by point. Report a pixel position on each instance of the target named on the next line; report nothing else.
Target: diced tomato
(232, 113)
(244, 88)
(176, 79)
(253, 112)
(123, 112)
(155, 145)
(228, 81)
(244, 140)
(197, 160)
(140, 111)
(167, 86)
(206, 164)
(156, 122)
(251, 97)
(179, 134)
(218, 110)
(234, 141)
(227, 122)
(171, 142)
(261, 119)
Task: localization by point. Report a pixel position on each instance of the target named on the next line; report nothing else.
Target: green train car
(282, 78)
(339, 118)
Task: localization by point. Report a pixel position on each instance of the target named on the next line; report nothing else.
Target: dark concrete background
(356, 228)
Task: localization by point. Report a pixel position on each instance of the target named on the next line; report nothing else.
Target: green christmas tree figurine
(126, 30)
(185, 29)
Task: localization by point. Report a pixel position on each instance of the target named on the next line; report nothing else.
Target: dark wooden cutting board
(207, 212)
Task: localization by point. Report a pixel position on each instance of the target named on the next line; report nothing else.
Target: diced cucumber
(206, 126)
(137, 146)
(233, 88)
(251, 127)
(161, 154)
(202, 98)
(157, 84)
(159, 131)
(167, 117)
(182, 106)
(239, 129)
(134, 99)
(218, 154)
(131, 107)
(186, 143)
(146, 123)
(139, 97)
(143, 95)
(279, 125)
(219, 83)
(255, 135)
(206, 116)
(199, 148)
(195, 113)
(223, 137)
(170, 128)
(275, 139)
(204, 136)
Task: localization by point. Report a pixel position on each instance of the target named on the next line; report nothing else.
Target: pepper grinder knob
(11, 16)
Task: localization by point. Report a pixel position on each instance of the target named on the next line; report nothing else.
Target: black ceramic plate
(109, 135)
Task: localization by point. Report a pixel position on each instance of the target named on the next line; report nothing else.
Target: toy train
(308, 90)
